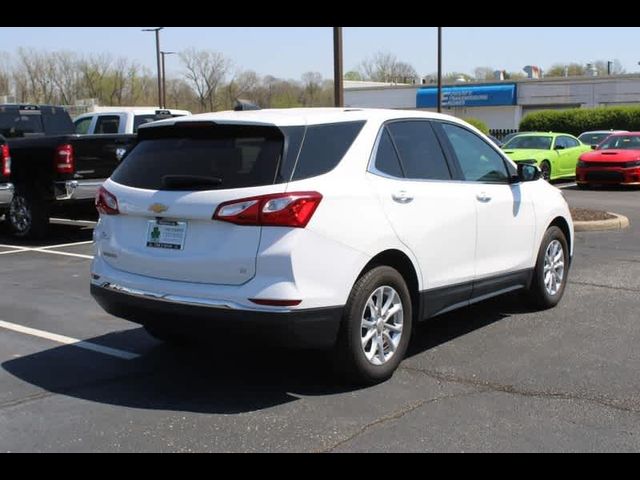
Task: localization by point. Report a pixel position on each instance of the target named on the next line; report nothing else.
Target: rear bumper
(6, 193)
(307, 328)
(608, 175)
(78, 189)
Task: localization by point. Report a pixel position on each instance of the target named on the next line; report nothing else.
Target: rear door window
(419, 150)
(107, 124)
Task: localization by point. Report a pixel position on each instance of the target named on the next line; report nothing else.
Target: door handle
(401, 197)
(483, 197)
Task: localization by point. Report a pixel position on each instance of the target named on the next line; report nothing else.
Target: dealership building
(500, 104)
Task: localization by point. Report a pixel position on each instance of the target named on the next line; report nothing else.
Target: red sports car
(614, 161)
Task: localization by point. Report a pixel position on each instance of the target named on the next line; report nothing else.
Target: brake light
(275, 210)
(106, 202)
(5, 160)
(64, 159)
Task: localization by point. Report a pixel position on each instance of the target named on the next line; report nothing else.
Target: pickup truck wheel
(28, 214)
(376, 327)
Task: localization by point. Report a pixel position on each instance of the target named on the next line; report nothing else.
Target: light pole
(338, 91)
(439, 69)
(164, 80)
(157, 30)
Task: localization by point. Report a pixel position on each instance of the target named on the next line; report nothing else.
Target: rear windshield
(232, 156)
(593, 138)
(15, 123)
(529, 141)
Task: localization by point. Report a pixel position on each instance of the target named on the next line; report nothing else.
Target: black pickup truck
(52, 169)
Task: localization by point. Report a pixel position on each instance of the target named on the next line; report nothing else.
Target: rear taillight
(64, 159)
(5, 160)
(106, 202)
(276, 210)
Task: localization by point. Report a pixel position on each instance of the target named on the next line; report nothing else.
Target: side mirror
(593, 147)
(528, 172)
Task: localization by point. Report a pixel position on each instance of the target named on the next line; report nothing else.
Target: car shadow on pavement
(206, 378)
(449, 326)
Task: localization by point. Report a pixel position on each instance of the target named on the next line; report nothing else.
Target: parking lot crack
(484, 385)
(391, 417)
(27, 399)
(589, 284)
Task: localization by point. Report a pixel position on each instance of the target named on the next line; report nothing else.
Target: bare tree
(312, 85)
(483, 73)
(205, 71)
(242, 85)
(385, 67)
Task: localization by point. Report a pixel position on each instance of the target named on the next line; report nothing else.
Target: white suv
(336, 228)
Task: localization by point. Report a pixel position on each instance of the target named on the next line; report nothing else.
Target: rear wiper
(189, 181)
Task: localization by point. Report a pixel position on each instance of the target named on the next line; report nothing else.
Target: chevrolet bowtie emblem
(158, 208)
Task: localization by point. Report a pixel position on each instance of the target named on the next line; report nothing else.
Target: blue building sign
(468, 96)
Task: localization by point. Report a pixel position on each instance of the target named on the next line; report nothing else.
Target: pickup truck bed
(58, 172)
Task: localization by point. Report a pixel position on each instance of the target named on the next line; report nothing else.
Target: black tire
(538, 293)
(350, 360)
(28, 214)
(166, 336)
(545, 167)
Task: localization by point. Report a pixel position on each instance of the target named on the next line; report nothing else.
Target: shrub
(479, 124)
(577, 120)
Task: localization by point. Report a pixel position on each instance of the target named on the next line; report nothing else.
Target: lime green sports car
(555, 153)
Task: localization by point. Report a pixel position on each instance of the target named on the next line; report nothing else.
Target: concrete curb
(611, 224)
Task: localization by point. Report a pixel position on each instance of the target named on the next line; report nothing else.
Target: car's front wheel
(552, 267)
(376, 327)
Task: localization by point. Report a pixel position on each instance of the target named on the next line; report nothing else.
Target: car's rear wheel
(545, 168)
(552, 266)
(376, 327)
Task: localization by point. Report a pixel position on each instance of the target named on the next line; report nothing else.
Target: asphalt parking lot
(493, 377)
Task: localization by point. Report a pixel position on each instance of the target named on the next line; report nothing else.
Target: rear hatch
(169, 187)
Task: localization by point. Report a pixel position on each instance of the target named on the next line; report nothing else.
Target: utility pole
(439, 69)
(164, 80)
(338, 90)
(157, 30)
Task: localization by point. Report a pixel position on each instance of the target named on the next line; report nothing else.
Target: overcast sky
(288, 52)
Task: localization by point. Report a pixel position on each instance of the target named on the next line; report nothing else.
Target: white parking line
(20, 249)
(81, 222)
(67, 245)
(14, 251)
(114, 352)
(68, 254)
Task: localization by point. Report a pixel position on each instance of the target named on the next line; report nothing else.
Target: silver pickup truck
(122, 120)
